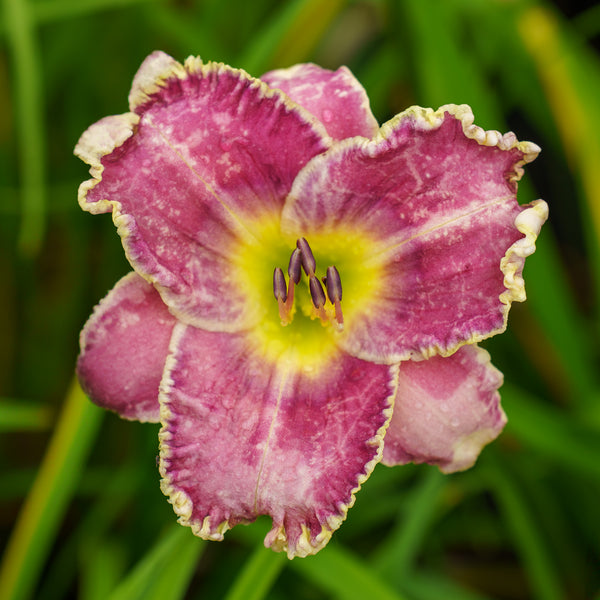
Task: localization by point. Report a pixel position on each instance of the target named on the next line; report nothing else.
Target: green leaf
(90, 542)
(42, 512)
(344, 575)
(165, 571)
(101, 573)
(563, 332)
(334, 569)
(28, 100)
(446, 71)
(528, 537)
(20, 415)
(397, 553)
(551, 432)
(54, 10)
(257, 576)
(291, 35)
(430, 585)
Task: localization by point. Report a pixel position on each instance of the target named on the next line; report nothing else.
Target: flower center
(305, 305)
(302, 258)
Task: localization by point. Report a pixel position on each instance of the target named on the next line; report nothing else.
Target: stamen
(279, 285)
(318, 297)
(295, 265)
(302, 258)
(283, 299)
(333, 283)
(308, 260)
(316, 292)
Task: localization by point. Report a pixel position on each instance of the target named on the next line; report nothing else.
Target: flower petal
(124, 346)
(207, 153)
(336, 98)
(446, 410)
(435, 198)
(244, 436)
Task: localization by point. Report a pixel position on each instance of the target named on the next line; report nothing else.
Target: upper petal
(124, 346)
(244, 436)
(336, 98)
(446, 411)
(207, 154)
(430, 213)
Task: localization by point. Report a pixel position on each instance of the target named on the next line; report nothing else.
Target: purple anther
(333, 283)
(308, 260)
(295, 265)
(279, 286)
(316, 291)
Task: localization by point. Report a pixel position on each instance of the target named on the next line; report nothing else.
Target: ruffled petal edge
(97, 141)
(109, 133)
(529, 222)
(428, 118)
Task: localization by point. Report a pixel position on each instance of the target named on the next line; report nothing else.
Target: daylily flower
(307, 290)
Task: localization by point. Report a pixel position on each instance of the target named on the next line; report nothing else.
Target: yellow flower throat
(308, 316)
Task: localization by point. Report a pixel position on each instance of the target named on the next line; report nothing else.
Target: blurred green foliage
(83, 487)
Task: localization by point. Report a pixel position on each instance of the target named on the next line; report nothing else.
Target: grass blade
(29, 119)
(396, 554)
(101, 573)
(546, 429)
(334, 569)
(430, 585)
(24, 416)
(353, 580)
(164, 572)
(291, 35)
(63, 9)
(447, 72)
(529, 540)
(571, 77)
(42, 512)
(258, 575)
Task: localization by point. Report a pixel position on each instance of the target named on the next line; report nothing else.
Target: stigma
(302, 259)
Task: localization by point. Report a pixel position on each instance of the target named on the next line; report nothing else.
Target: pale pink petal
(432, 203)
(207, 154)
(446, 411)
(246, 434)
(124, 346)
(336, 98)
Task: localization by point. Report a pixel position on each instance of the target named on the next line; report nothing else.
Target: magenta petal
(446, 410)
(436, 197)
(336, 98)
(124, 346)
(243, 436)
(208, 153)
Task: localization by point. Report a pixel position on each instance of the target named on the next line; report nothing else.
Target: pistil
(309, 264)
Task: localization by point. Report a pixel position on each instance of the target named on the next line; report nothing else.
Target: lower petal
(244, 436)
(446, 411)
(124, 346)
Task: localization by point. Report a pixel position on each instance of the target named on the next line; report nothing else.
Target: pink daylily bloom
(308, 288)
